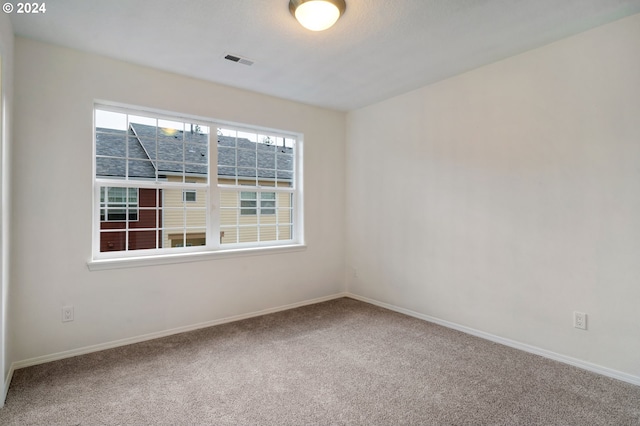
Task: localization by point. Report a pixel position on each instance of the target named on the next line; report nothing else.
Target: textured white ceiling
(378, 49)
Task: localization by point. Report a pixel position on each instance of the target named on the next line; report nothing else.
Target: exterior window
(249, 202)
(268, 203)
(154, 181)
(116, 205)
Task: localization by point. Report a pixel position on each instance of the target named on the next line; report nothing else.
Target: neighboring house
(178, 217)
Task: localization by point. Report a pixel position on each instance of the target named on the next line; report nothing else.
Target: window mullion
(213, 193)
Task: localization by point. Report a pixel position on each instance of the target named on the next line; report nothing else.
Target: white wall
(505, 198)
(6, 94)
(52, 162)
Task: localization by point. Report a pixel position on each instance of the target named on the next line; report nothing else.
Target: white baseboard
(137, 339)
(635, 380)
(594, 368)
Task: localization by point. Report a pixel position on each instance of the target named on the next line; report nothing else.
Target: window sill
(134, 262)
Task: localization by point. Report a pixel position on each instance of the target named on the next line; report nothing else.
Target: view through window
(157, 189)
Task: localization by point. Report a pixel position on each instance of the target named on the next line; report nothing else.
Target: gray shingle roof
(152, 148)
(172, 153)
(112, 146)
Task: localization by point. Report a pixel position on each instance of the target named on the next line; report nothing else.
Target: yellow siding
(178, 213)
(244, 228)
(234, 227)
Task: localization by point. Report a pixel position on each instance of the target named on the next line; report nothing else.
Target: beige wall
(6, 112)
(56, 89)
(520, 191)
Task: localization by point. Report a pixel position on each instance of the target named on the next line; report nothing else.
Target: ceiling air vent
(239, 59)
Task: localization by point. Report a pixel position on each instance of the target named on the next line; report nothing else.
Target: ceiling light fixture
(317, 15)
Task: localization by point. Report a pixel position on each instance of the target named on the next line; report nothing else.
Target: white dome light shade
(317, 15)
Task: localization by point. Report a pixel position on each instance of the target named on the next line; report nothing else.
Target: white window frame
(189, 192)
(213, 248)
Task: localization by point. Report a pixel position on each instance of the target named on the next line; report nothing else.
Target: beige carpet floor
(342, 362)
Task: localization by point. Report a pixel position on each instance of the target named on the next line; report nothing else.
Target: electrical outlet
(580, 320)
(67, 313)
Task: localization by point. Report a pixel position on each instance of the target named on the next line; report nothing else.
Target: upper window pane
(246, 158)
(136, 147)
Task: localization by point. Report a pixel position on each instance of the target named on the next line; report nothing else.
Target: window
(189, 196)
(258, 189)
(115, 205)
(249, 203)
(166, 184)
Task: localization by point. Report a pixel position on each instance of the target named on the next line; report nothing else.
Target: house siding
(148, 217)
(238, 228)
(179, 214)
